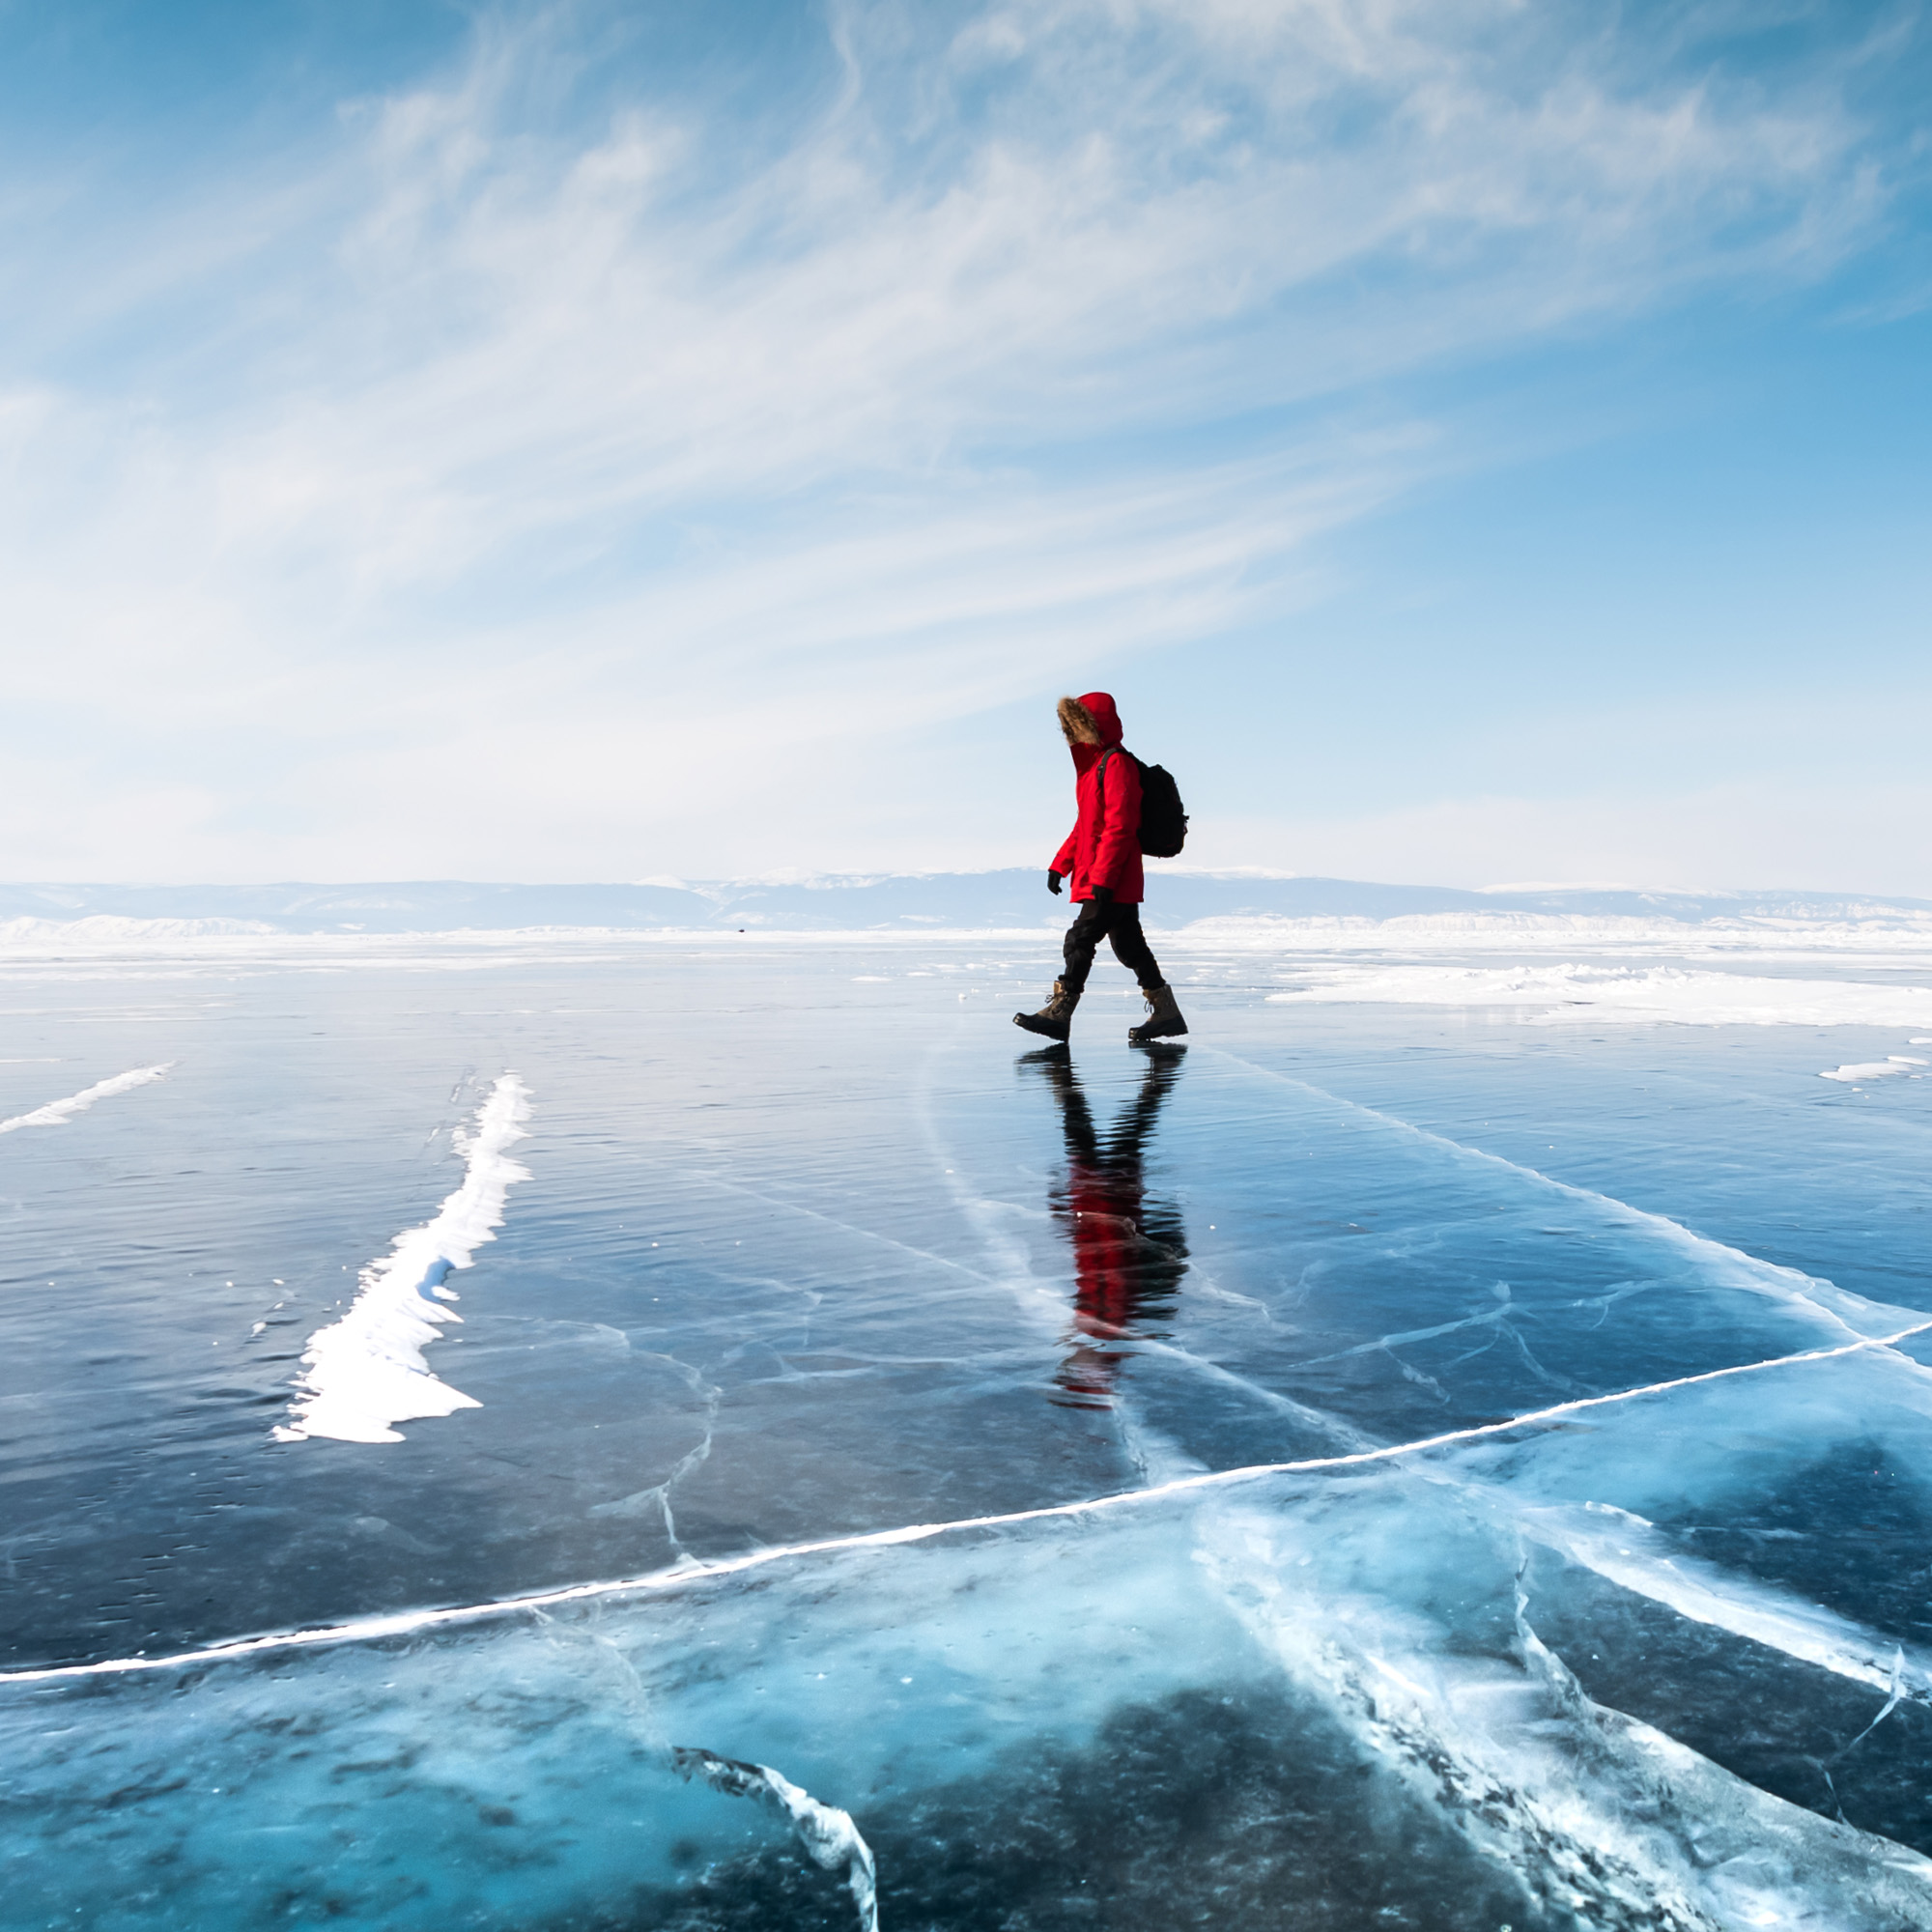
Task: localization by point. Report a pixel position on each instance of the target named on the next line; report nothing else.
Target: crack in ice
(660, 1492)
(1391, 1342)
(404, 1622)
(1626, 1551)
(1762, 1277)
(1890, 1704)
(827, 1832)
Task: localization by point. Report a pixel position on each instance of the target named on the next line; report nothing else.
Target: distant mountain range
(982, 901)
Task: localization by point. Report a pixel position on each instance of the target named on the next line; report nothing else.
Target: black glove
(1053, 882)
(1103, 894)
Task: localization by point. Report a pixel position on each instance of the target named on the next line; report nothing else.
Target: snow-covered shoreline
(103, 937)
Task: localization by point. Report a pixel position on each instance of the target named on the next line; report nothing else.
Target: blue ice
(1392, 1461)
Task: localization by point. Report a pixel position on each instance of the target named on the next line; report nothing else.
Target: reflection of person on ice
(1101, 862)
(1128, 1251)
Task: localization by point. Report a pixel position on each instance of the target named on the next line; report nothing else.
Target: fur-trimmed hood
(1091, 719)
(1103, 848)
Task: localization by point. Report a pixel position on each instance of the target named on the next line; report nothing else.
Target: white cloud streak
(569, 445)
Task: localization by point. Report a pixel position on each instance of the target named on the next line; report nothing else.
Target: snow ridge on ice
(364, 1373)
(58, 1113)
(1633, 994)
(1874, 1070)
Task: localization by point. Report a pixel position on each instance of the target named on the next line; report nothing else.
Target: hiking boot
(1163, 1018)
(1055, 1019)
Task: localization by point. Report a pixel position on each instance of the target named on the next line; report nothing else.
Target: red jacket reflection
(1128, 1252)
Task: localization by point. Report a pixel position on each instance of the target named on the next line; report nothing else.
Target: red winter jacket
(1104, 846)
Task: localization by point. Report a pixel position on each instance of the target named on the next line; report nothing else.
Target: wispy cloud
(1784, 833)
(569, 421)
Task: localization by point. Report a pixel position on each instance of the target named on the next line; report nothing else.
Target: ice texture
(1385, 1463)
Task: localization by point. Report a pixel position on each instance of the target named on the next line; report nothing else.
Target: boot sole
(1146, 1036)
(1046, 1028)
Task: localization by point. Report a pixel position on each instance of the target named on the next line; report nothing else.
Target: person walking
(1100, 863)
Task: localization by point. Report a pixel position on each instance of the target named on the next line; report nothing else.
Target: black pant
(1120, 924)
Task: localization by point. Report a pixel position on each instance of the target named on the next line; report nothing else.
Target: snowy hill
(1001, 901)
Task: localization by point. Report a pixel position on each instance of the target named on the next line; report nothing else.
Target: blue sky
(1476, 441)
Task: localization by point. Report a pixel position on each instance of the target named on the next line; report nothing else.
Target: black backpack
(1163, 817)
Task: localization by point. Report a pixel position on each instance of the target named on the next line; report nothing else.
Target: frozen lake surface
(883, 1429)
